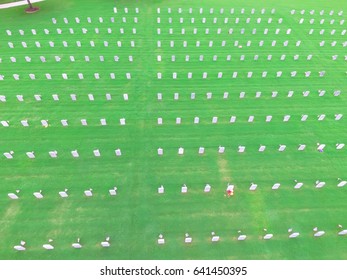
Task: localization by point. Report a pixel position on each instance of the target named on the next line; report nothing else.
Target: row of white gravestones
(52, 44)
(248, 20)
(126, 10)
(123, 19)
(209, 95)
(187, 239)
(248, 43)
(184, 189)
(54, 154)
(243, 31)
(220, 11)
(258, 94)
(38, 97)
(48, 246)
(262, 148)
(122, 121)
(209, 58)
(201, 150)
(219, 30)
(251, 119)
(216, 20)
(84, 31)
(64, 122)
(234, 75)
(71, 58)
(63, 194)
(65, 76)
(312, 12)
(267, 236)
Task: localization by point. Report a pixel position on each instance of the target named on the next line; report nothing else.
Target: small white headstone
(55, 97)
(180, 151)
(221, 149)
(84, 122)
(160, 151)
(105, 244)
(207, 188)
(75, 154)
(188, 240)
(319, 233)
(320, 185)
(338, 117)
(30, 154)
(268, 236)
(276, 186)
(125, 96)
(5, 123)
(294, 235)
(232, 119)
(48, 246)
(262, 148)
(242, 149)
(178, 120)
(302, 147)
(342, 184)
(282, 148)
(298, 185)
(13, 196)
(103, 122)
(343, 232)
(161, 189)
(108, 96)
(19, 248)
(53, 154)
(321, 147)
(215, 238)
(196, 120)
(8, 155)
(250, 118)
(286, 118)
(201, 150)
(76, 245)
(184, 189)
(214, 119)
(37, 97)
(253, 187)
(160, 121)
(88, 193)
(97, 153)
(113, 191)
(242, 237)
(91, 97)
(161, 241)
(38, 195)
(118, 152)
(321, 117)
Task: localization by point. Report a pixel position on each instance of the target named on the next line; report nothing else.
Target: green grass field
(138, 214)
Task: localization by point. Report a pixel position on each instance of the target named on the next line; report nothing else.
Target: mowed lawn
(138, 214)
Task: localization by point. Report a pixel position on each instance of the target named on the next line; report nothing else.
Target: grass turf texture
(134, 218)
